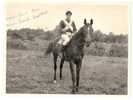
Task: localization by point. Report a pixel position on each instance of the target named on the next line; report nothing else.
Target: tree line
(97, 35)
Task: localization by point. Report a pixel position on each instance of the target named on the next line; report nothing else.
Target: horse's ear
(91, 21)
(85, 21)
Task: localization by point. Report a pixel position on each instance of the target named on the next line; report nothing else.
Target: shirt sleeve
(61, 24)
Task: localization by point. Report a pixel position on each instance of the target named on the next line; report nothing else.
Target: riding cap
(68, 12)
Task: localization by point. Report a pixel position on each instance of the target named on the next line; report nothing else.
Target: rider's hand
(65, 29)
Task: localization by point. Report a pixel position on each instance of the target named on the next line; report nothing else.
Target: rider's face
(68, 16)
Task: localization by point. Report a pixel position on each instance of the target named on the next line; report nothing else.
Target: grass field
(30, 71)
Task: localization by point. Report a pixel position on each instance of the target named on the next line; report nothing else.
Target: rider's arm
(62, 27)
(74, 27)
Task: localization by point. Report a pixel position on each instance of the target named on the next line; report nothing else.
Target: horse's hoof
(60, 78)
(77, 90)
(54, 82)
(73, 92)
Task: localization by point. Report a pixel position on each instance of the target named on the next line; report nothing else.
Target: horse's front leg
(55, 67)
(73, 77)
(61, 66)
(78, 67)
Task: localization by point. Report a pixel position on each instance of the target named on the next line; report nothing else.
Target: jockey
(67, 29)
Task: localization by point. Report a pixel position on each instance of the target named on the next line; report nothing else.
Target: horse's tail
(49, 49)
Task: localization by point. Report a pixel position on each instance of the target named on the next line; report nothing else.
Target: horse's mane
(78, 39)
(77, 34)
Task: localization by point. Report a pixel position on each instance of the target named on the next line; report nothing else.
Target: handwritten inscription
(25, 16)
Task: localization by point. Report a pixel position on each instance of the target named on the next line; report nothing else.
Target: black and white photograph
(67, 48)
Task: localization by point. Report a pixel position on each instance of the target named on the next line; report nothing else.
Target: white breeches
(65, 38)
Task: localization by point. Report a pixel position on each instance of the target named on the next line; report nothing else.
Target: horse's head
(87, 31)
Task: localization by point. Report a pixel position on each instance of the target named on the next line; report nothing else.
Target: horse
(73, 53)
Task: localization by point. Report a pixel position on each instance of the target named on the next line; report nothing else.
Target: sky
(107, 18)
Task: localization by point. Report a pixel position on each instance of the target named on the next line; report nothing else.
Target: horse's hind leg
(55, 67)
(61, 66)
